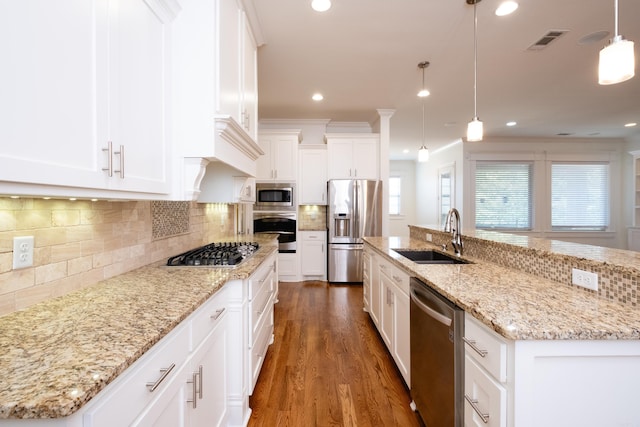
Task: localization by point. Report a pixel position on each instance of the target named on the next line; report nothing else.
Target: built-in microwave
(275, 196)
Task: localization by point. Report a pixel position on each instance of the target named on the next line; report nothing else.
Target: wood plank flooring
(328, 366)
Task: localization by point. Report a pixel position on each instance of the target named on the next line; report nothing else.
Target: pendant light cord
(616, 18)
(475, 59)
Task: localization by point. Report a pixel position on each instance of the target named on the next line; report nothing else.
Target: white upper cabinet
(72, 89)
(280, 161)
(249, 106)
(353, 156)
(214, 75)
(312, 187)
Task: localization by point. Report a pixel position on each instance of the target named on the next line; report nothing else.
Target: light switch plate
(22, 252)
(586, 279)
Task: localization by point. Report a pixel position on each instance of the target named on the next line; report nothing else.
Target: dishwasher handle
(445, 320)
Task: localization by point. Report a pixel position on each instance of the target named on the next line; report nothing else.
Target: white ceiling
(363, 55)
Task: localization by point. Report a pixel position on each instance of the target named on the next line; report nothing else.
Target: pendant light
(474, 128)
(617, 61)
(423, 152)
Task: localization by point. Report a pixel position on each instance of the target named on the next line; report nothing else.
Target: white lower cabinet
(394, 316)
(263, 288)
(289, 267)
(366, 279)
(313, 254)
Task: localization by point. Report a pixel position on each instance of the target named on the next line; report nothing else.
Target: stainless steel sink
(429, 257)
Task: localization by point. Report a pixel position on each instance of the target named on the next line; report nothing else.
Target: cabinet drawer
(123, 400)
(259, 347)
(262, 305)
(259, 279)
(487, 342)
(484, 397)
(207, 317)
(397, 276)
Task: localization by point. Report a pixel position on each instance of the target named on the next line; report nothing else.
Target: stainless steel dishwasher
(437, 357)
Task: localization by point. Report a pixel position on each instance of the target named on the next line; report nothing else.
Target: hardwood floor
(328, 366)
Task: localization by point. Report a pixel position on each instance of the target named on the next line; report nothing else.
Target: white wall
(427, 183)
(399, 224)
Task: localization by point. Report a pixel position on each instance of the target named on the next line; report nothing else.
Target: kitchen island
(60, 354)
(564, 355)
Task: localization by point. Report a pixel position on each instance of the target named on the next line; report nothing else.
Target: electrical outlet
(429, 237)
(585, 279)
(22, 252)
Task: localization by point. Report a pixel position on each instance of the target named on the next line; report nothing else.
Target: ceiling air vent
(545, 40)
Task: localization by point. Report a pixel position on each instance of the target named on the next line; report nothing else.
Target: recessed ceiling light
(424, 93)
(511, 123)
(321, 5)
(317, 97)
(405, 151)
(630, 125)
(506, 8)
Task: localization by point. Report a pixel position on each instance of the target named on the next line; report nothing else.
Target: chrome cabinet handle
(472, 344)
(265, 304)
(474, 405)
(218, 313)
(153, 386)
(109, 150)
(121, 154)
(196, 382)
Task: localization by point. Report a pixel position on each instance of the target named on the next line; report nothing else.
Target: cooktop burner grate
(217, 254)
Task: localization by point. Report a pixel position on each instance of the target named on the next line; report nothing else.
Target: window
(503, 195)
(580, 196)
(394, 195)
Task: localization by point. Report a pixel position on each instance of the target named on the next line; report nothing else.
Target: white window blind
(503, 195)
(395, 186)
(580, 196)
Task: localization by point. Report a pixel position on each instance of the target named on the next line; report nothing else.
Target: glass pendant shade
(474, 130)
(423, 154)
(321, 5)
(617, 62)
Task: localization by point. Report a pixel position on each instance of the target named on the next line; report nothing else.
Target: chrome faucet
(454, 229)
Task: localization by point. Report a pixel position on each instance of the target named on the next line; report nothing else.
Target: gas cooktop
(217, 254)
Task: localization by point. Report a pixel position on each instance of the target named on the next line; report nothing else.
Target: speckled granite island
(58, 355)
(560, 355)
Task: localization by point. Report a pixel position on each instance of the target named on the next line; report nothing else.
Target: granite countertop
(518, 305)
(58, 354)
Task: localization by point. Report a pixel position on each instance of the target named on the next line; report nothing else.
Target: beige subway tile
(79, 265)
(51, 272)
(7, 203)
(80, 233)
(114, 269)
(6, 261)
(6, 241)
(102, 259)
(15, 280)
(50, 236)
(30, 219)
(7, 304)
(41, 255)
(122, 254)
(65, 218)
(65, 252)
(33, 295)
(91, 247)
(7, 220)
(112, 215)
(113, 243)
(91, 216)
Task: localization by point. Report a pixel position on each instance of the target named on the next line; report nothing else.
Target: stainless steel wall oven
(282, 223)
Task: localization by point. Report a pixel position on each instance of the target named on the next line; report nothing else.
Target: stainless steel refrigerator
(354, 211)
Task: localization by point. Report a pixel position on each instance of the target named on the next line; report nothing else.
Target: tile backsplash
(78, 243)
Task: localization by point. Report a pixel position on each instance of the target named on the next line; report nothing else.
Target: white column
(385, 138)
